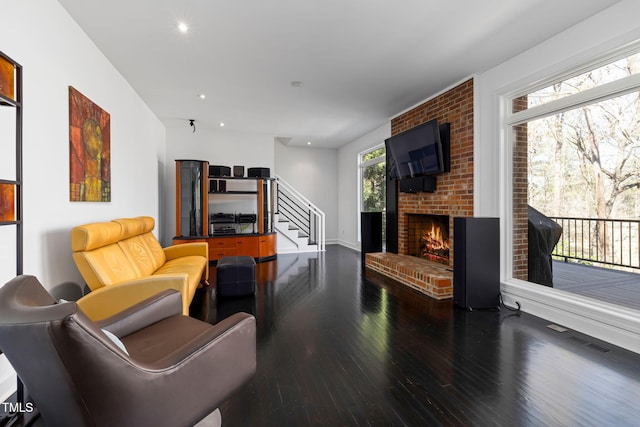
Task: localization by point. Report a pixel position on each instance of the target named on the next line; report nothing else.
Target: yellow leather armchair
(123, 263)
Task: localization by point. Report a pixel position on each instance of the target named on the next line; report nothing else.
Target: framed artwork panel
(7, 202)
(7, 79)
(89, 150)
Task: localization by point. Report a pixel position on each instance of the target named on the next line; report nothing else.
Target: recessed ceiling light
(221, 124)
(183, 27)
(308, 142)
(202, 96)
(297, 83)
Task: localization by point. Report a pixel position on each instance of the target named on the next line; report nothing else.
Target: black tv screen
(415, 152)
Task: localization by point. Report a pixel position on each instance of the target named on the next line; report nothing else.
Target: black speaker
(238, 171)
(476, 262)
(421, 184)
(217, 170)
(259, 172)
(222, 185)
(370, 233)
(213, 186)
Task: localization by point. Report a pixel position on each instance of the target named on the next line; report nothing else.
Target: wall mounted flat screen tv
(418, 151)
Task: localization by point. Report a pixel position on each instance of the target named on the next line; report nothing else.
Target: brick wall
(520, 195)
(454, 192)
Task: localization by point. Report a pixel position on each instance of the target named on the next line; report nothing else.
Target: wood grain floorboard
(602, 284)
(337, 346)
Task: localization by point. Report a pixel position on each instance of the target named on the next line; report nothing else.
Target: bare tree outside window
(373, 181)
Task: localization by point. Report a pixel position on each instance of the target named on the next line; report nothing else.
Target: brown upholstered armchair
(174, 370)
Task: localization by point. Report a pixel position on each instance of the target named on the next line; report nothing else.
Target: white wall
(314, 173)
(348, 197)
(594, 37)
(218, 147)
(55, 53)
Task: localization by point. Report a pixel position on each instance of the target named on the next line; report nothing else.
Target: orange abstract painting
(89, 150)
(7, 202)
(7, 78)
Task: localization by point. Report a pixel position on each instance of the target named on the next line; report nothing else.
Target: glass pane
(191, 182)
(576, 174)
(606, 74)
(373, 187)
(8, 143)
(7, 202)
(380, 152)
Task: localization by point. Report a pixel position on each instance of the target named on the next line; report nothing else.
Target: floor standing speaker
(370, 233)
(476, 262)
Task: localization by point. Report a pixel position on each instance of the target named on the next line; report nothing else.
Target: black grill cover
(544, 234)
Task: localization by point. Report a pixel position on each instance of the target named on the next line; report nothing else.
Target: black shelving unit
(264, 208)
(15, 102)
(230, 229)
(11, 98)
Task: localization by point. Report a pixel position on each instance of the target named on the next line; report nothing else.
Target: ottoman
(236, 276)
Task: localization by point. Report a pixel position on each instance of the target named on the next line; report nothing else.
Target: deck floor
(603, 284)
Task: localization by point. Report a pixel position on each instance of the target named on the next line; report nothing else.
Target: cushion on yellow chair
(156, 250)
(135, 226)
(140, 245)
(139, 254)
(96, 235)
(192, 265)
(104, 266)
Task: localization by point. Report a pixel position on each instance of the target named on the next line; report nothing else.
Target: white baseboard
(348, 245)
(607, 322)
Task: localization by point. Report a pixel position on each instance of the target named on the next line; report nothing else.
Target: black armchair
(174, 370)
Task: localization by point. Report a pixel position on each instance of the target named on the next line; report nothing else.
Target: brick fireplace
(454, 192)
(453, 196)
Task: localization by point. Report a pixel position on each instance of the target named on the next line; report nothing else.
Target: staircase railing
(303, 214)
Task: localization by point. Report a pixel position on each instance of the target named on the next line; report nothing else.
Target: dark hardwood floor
(339, 347)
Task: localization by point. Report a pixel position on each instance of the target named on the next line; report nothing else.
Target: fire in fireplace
(429, 237)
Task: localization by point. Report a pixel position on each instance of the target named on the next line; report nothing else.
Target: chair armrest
(205, 370)
(236, 334)
(107, 301)
(187, 249)
(160, 306)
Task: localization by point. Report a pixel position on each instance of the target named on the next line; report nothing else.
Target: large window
(372, 180)
(576, 161)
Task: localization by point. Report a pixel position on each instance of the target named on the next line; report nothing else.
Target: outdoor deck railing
(605, 241)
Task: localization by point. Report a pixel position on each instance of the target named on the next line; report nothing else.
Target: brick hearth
(430, 278)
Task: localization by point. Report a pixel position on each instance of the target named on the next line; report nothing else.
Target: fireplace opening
(429, 237)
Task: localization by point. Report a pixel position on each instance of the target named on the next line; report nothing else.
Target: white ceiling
(361, 61)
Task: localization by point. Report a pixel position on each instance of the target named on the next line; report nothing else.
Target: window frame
(509, 120)
(361, 165)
